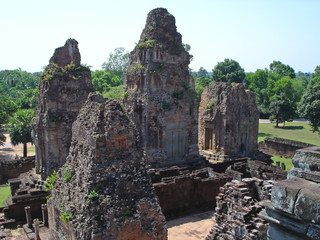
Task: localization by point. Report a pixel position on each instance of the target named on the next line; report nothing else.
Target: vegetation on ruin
(65, 216)
(93, 195)
(146, 44)
(51, 180)
(137, 69)
(129, 212)
(297, 131)
(286, 161)
(177, 94)
(49, 71)
(124, 95)
(166, 106)
(210, 104)
(66, 175)
(4, 194)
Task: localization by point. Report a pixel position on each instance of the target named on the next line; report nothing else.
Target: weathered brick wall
(281, 147)
(108, 194)
(160, 95)
(64, 87)
(187, 191)
(12, 169)
(228, 120)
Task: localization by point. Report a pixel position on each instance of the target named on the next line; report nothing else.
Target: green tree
(282, 69)
(258, 83)
(281, 109)
(20, 86)
(309, 106)
(117, 63)
(187, 48)
(7, 108)
(284, 101)
(202, 73)
(228, 71)
(202, 80)
(20, 128)
(304, 78)
(102, 81)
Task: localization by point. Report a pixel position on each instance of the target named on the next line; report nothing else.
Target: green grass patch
(286, 161)
(4, 194)
(297, 131)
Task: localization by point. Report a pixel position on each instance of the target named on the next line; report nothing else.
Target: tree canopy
(117, 63)
(309, 106)
(20, 128)
(282, 69)
(277, 88)
(228, 71)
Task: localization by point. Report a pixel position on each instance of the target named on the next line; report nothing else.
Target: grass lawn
(4, 194)
(286, 161)
(298, 131)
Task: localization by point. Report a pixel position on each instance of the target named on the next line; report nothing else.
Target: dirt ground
(8, 152)
(192, 227)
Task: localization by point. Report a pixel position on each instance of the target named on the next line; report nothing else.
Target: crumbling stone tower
(103, 191)
(64, 87)
(228, 121)
(159, 93)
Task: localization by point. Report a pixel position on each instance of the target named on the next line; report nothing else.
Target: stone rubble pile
(238, 206)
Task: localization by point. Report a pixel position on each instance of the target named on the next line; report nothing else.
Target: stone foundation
(281, 147)
(182, 190)
(13, 168)
(26, 191)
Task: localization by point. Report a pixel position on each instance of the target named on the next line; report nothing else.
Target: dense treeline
(18, 93)
(281, 93)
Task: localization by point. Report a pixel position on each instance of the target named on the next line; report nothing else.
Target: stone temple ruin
(102, 151)
(228, 121)
(109, 194)
(64, 88)
(160, 95)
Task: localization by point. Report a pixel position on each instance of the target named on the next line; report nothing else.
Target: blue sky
(252, 32)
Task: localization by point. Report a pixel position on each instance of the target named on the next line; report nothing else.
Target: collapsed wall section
(238, 206)
(103, 191)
